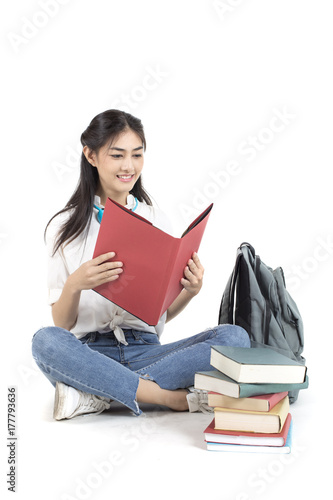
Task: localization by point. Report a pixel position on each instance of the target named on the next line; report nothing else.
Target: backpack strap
(226, 313)
(249, 246)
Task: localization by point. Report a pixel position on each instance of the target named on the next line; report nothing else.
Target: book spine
(171, 286)
(246, 390)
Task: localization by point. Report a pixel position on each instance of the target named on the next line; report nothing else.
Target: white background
(218, 76)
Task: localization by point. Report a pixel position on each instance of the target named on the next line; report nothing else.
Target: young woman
(97, 352)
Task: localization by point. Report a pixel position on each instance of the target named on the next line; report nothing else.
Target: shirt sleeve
(57, 272)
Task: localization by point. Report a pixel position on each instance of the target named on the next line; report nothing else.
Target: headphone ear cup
(99, 213)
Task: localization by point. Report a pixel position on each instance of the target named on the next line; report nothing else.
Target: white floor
(156, 455)
(119, 455)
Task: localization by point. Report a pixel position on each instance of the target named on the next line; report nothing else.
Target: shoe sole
(59, 398)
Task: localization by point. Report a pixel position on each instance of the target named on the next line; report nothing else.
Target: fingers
(196, 261)
(102, 258)
(96, 272)
(109, 274)
(103, 264)
(109, 271)
(109, 266)
(106, 270)
(195, 267)
(193, 275)
(191, 284)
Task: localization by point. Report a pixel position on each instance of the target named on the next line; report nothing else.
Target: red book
(247, 438)
(153, 261)
(264, 402)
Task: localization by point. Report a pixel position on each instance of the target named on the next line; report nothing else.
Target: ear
(90, 155)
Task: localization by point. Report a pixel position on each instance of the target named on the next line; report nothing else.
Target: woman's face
(119, 166)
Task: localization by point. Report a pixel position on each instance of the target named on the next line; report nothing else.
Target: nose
(127, 164)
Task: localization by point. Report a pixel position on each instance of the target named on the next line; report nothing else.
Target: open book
(153, 261)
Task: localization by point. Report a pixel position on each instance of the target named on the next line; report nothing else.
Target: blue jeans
(99, 364)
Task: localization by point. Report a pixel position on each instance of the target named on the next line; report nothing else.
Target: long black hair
(104, 128)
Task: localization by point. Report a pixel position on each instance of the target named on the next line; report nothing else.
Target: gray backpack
(256, 298)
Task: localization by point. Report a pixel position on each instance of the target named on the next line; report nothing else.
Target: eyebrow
(121, 149)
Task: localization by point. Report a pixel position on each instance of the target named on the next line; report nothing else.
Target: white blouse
(95, 312)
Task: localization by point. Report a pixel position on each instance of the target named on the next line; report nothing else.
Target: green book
(257, 365)
(215, 381)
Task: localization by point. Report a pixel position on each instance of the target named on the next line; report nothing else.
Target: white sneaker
(198, 401)
(70, 402)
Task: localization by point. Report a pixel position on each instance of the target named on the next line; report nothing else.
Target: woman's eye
(120, 156)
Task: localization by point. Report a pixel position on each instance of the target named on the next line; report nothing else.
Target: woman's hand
(89, 275)
(193, 275)
(95, 272)
(192, 283)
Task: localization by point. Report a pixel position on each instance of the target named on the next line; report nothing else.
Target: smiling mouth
(125, 178)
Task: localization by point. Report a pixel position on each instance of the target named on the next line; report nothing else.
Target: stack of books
(249, 393)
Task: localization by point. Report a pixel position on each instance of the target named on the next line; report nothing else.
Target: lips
(125, 178)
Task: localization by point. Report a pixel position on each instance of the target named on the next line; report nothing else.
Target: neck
(120, 198)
